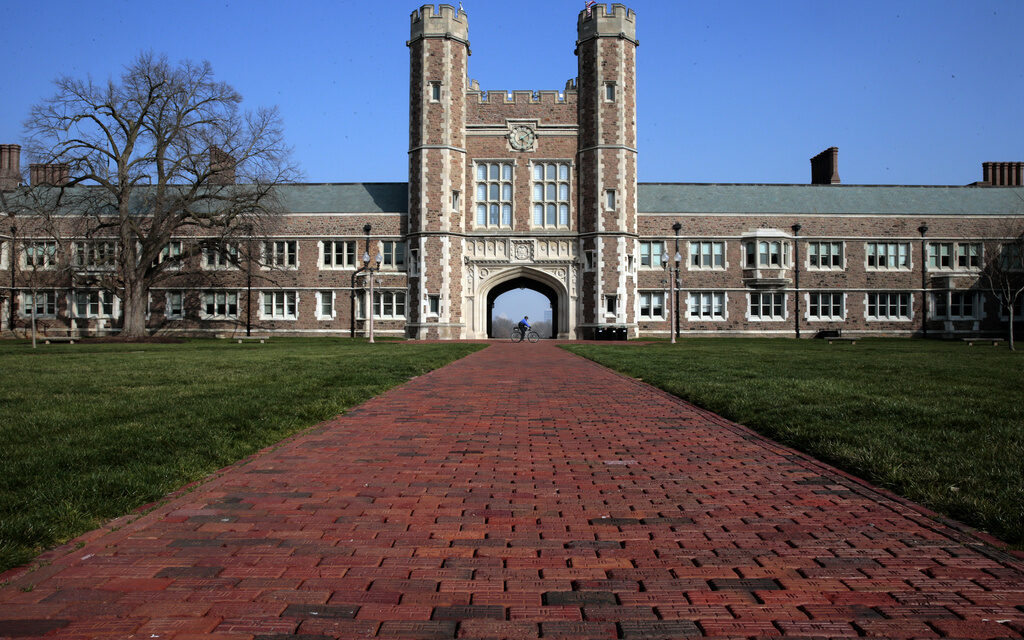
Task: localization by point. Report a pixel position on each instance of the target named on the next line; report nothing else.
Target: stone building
(538, 189)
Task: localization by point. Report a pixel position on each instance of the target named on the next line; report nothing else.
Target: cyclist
(523, 327)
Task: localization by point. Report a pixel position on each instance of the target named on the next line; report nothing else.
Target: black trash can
(618, 333)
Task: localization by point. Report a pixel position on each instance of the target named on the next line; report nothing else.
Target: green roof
(829, 199)
(357, 197)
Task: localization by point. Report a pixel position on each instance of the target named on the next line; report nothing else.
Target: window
(220, 305)
(940, 255)
(766, 254)
(281, 254)
(174, 306)
(279, 305)
(39, 255)
(588, 256)
(968, 255)
(825, 255)
(325, 305)
(388, 304)
(394, 254)
(707, 255)
(43, 303)
(550, 194)
(94, 304)
(171, 254)
(767, 305)
(609, 199)
(888, 255)
(650, 254)
(337, 254)
(707, 305)
(888, 306)
(652, 305)
(456, 200)
(609, 91)
(94, 255)
(611, 305)
(955, 305)
(825, 306)
(434, 305)
(222, 257)
(494, 194)
(435, 91)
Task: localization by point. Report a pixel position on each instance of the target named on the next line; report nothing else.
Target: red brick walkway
(523, 492)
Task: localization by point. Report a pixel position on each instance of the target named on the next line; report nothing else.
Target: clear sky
(914, 92)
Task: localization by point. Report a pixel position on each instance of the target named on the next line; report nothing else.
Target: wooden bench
(841, 339)
(995, 341)
(262, 339)
(55, 339)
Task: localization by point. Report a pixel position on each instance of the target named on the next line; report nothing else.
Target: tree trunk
(34, 294)
(133, 311)
(1011, 325)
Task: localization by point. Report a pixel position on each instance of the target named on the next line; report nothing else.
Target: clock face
(521, 138)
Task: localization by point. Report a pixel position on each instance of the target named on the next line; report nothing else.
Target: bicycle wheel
(516, 336)
(532, 336)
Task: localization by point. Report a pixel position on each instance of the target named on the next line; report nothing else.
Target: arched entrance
(522, 282)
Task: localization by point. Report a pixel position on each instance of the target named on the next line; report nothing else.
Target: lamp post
(673, 271)
(796, 277)
(676, 227)
(13, 262)
(371, 270)
(923, 229)
(248, 280)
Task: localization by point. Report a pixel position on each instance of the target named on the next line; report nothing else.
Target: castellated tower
(438, 58)
(606, 51)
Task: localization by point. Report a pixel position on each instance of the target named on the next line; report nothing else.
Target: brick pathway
(524, 492)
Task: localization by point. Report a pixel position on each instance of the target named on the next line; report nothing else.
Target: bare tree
(1002, 272)
(160, 154)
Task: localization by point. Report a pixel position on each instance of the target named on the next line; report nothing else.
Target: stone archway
(522, 282)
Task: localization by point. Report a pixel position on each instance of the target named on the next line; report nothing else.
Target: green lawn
(940, 423)
(89, 432)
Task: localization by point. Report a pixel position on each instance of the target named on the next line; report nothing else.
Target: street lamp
(676, 227)
(923, 229)
(796, 276)
(673, 272)
(370, 271)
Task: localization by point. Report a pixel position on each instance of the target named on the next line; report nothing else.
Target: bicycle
(517, 336)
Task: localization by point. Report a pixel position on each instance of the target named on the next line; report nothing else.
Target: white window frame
(610, 92)
(550, 194)
(216, 258)
(281, 254)
(970, 252)
(698, 254)
(47, 250)
(649, 297)
(435, 91)
(328, 251)
(284, 304)
(701, 306)
(320, 297)
(391, 251)
(773, 306)
(171, 250)
(498, 210)
(811, 303)
(98, 304)
(892, 252)
(94, 255)
(945, 300)
(28, 300)
(759, 253)
(386, 304)
(433, 305)
(611, 305)
(168, 306)
(888, 303)
(228, 295)
(820, 251)
(939, 252)
(655, 249)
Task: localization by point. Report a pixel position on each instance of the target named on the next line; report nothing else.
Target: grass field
(89, 432)
(937, 422)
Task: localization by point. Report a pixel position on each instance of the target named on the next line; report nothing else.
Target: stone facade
(539, 189)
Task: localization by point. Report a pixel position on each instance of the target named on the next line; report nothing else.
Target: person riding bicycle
(523, 327)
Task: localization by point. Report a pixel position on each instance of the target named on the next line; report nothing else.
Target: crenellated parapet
(501, 96)
(444, 22)
(602, 20)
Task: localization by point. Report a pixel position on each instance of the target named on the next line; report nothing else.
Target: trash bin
(600, 333)
(618, 333)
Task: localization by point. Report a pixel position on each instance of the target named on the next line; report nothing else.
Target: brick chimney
(1003, 174)
(825, 167)
(222, 167)
(53, 173)
(10, 166)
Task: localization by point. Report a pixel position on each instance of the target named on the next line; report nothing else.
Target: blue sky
(916, 92)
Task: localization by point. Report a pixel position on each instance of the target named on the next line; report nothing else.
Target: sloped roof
(826, 199)
(357, 197)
